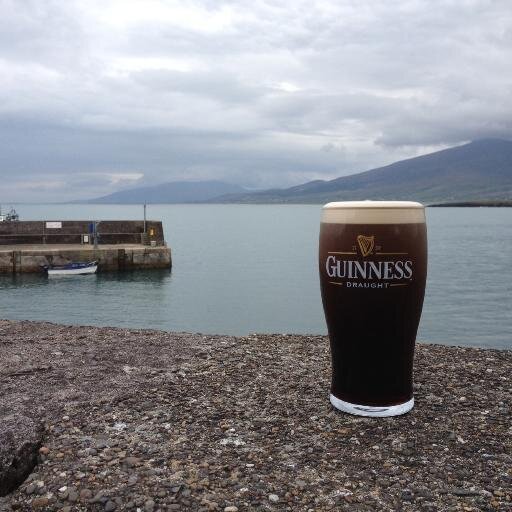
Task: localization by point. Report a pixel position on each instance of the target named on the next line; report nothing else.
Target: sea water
(239, 269)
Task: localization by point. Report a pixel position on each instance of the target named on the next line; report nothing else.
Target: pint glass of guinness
(373, 268)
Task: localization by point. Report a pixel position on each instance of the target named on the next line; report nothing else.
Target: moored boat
(72, 269)
(10, 216)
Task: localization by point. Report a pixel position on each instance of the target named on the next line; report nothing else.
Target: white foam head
(373, 212)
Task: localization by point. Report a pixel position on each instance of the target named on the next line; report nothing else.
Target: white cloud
(259, 93)
(121, 14)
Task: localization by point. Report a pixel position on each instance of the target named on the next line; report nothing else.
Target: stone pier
(31, 258)
(27, 246)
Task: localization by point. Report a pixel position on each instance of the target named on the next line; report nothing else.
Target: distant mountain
(480, 170)
(173, 192)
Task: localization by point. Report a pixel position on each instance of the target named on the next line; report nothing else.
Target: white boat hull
(72, 271)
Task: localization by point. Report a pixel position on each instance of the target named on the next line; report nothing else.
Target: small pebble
(97, 497)
(131, 461)
(30, 488)
(40, 502)
(110, 506)
(85, 494)
(72, 496)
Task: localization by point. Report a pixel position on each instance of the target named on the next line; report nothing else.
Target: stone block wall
(127, 258)
(70, 232)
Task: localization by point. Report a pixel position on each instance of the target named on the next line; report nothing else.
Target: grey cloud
(252, 92)
(47, 33)
(218, 85)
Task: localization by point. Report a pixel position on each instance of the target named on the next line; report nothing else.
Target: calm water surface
(239, 269)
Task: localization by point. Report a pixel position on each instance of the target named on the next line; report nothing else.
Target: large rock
(20, 439)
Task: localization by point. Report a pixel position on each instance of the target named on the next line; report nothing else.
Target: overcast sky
(96, 96)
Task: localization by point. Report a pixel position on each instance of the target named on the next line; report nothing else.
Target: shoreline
(473, 204)
(494, 345)
(154, 420)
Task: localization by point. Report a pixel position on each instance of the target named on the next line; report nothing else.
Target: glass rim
(372, 204)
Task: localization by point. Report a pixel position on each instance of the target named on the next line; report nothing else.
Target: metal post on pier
(95, 233)
(144, 217)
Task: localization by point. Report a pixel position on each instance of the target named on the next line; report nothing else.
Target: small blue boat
(72, 269)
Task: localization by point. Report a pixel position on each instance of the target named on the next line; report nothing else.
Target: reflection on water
(157, 276)
(109, 298)
(81, 282)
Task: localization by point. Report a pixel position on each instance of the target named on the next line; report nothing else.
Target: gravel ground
(148, 420)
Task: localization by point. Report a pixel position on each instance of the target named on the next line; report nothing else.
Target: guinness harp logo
(366, 244)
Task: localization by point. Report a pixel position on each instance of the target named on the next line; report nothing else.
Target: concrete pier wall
(17, 259)
(72, 231)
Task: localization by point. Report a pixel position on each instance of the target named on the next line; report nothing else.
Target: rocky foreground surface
(126, 419)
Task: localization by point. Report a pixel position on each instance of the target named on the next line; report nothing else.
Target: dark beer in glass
(373, 268)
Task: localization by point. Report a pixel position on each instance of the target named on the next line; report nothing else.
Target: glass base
(368, 410)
